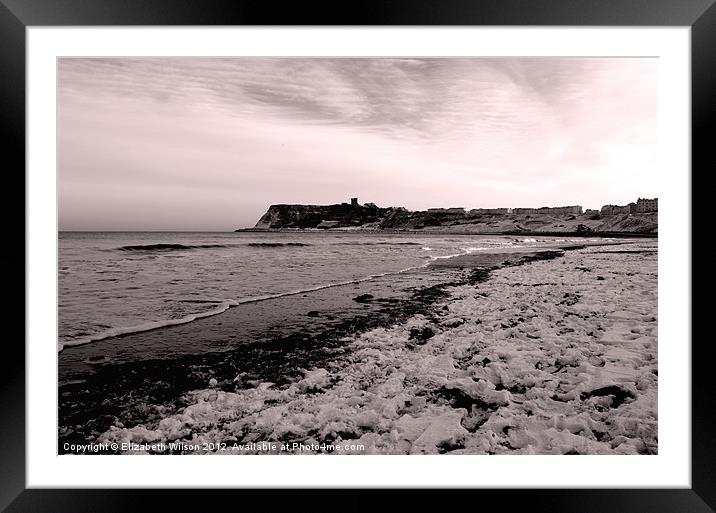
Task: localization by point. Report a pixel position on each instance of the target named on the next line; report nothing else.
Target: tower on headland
(354, 202)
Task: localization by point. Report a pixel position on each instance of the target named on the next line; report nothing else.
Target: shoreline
(157, 325)
(286, 362)
(621, 235)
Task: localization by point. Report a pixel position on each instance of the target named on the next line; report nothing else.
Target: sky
(208, 144)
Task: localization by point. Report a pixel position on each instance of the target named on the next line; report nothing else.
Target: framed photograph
(415, 247)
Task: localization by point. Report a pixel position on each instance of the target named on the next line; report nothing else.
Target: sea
(115, 283)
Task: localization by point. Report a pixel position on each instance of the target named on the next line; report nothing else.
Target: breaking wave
(275, 244)
(169, 247)
(183, 247)
(377, 243)
(222, 306)
(147, 326)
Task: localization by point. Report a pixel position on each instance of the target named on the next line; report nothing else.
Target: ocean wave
(147, 326)
(378, 243)
(169, 247)
(444, 257)
(161, 247)
(465, 251)
(222, 307)
(256, 299)
(275, 244)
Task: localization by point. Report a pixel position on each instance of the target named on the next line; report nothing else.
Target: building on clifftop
(572, 209)
(647, 205)
(610, 210)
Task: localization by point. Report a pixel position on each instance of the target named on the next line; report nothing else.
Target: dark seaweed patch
(421, 335)
(619, 394)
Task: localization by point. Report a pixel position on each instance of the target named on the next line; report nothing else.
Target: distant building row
(641, 206)
(454, 210)
(575, 209)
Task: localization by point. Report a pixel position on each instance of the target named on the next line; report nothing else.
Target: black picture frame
(17, 15)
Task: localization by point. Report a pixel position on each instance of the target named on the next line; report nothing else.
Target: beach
(553, 353)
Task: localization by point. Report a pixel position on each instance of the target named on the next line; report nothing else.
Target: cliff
(342, 215)
(370, 217)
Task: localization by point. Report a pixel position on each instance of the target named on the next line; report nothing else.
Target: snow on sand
(551, 357)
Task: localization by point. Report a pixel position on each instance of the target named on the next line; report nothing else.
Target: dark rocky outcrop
(342, 215)
(371, 217)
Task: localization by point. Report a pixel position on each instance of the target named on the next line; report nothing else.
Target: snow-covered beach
(551, 357)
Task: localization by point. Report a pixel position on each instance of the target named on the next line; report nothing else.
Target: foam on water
(225, 305)
(115, 332)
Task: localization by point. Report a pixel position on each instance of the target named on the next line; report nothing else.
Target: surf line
(225, 305)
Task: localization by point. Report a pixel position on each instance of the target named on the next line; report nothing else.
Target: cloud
(412, 132)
